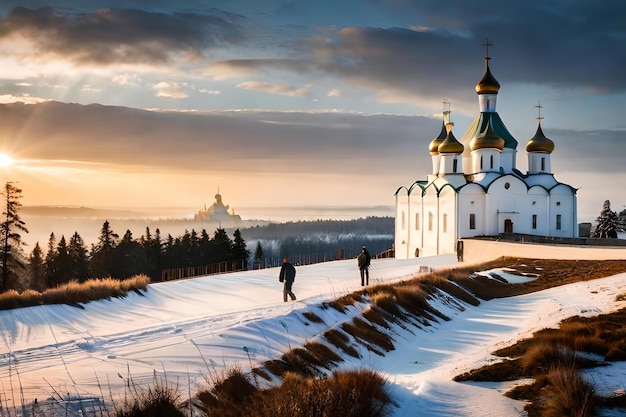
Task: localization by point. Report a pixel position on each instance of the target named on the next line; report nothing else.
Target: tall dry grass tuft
(341, 341)
(545, 355)
(567, 394)
(368, 334)
(323, 355)
(229, 394)
(158, 400)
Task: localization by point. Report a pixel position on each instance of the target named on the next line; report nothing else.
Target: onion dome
(433, 147)
(451, 145)
(487, 139)
(540, 143)
(488, 84)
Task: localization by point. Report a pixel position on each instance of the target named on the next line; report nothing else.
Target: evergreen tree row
(122, 258)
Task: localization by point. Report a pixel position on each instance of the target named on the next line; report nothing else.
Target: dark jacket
(364, 259)
(287, 273)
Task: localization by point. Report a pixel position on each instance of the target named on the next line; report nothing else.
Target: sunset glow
(5, 160)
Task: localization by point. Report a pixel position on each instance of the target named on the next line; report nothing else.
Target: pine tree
(79, 258)
(607, 224)
(221, 247)
(49, 262)
(240, 253)
(102, 252)
(63, 263)
(37, 269)
(10, 237)
(259, 256)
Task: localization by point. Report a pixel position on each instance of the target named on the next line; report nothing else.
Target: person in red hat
(288, 276)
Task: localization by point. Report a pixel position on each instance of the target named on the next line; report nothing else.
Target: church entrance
(508, 226)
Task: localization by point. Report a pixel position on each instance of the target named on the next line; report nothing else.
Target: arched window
(543, 163)
(445, 222)
(430, 220)
(403, 222)
(481, 162)
(455, 164)
(491, 161)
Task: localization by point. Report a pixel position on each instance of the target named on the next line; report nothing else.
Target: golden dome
(488, 84)
(488, 139)
(433, 147)
(540, 143)
(451, 145)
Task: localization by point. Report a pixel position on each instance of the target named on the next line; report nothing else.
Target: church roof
(488, 84)
(479, 125)
(487, 139)
(540, 143)
(451, 145)
(433, 147)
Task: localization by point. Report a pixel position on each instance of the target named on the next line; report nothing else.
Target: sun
(5, 160)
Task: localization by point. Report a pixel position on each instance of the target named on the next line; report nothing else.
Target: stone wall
(482, 250)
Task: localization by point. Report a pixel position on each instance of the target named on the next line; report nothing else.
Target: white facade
(475, 188)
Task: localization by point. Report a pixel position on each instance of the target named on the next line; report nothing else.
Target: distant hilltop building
(475, 188)
(218, 212)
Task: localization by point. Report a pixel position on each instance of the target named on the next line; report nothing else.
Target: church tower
(487, 90)
(539, 148)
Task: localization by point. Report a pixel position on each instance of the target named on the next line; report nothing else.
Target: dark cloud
(228, 141)
(110, 36)
(559, 44)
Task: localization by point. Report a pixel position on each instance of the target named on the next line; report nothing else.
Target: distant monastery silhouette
(475, 189)
(217, 212)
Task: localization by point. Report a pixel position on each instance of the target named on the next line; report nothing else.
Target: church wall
(539, 202)
(507, 159)
(535, 164)
(430, 214)
(415, 240)
(471, 200)
(563, 204)
(447, 221)
(508, 198)
(401, 230)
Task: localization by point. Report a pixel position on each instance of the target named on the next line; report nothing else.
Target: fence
(196, 271)
(267, 262)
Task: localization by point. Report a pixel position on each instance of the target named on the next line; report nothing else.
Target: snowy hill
(188, 328)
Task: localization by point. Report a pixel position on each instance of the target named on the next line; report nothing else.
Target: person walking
(288, 276)
(364, 259)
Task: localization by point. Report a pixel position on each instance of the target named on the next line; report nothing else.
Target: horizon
(139, 104)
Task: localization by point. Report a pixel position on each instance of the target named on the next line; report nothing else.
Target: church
(475, 188)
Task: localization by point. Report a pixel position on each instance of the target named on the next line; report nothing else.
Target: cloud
(210, 92)
(110, 36)
(270, 88)
(171, 89)
(26, 99)
(127, 79)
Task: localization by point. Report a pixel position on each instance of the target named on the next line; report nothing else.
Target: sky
(288, 103)
(184, 331)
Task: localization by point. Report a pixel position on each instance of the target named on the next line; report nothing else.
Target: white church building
(475, 188)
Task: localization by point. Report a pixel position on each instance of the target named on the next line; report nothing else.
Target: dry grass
(341, 341)
(158, 400)
(74, 293)
(352, 394)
